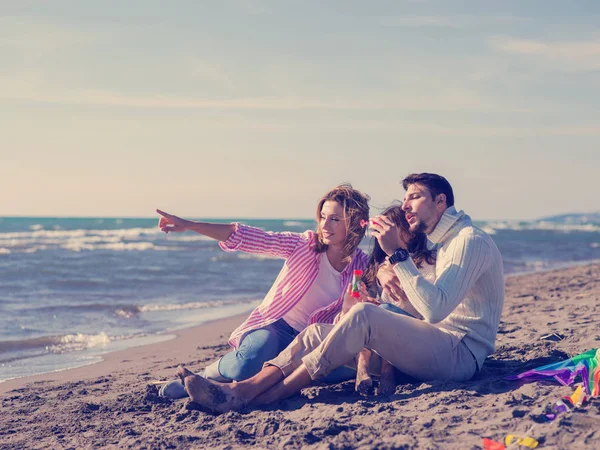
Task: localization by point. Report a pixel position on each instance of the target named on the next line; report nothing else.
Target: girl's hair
(417, 246)
(356, 208)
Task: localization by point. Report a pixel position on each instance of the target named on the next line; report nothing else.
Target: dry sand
(111, 404)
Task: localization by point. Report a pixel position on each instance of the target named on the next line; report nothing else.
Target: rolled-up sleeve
(256, 241)
(234, 241)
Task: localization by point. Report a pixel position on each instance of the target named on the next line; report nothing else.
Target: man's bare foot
(387, 382)
(217, 397)
(364, 382)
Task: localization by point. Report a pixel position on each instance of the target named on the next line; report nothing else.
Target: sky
(257, 108)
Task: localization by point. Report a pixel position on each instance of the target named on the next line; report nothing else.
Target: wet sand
(112, 404)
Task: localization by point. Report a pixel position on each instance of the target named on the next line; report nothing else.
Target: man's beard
(419, 227)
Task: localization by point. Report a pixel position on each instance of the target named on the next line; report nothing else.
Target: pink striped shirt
(296, 277)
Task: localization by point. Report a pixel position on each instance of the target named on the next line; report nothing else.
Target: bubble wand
(356, 278)
(363, 223)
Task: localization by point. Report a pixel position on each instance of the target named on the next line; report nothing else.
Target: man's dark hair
(436, 184)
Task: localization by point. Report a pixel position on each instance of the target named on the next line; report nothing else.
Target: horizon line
(256, 218)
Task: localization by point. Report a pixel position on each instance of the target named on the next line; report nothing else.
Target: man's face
(421, 210)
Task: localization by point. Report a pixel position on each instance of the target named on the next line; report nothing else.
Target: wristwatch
(399, 255)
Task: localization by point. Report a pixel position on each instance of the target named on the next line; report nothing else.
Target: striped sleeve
(254, 240)
(469, 256)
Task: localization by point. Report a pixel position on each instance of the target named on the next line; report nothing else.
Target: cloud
(31, 86)
(452, 21)
(27, 34)
(575, 130)
(419, 21)
(572, 56)
(445, 101)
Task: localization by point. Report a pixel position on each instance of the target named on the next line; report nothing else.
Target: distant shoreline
(558, 266)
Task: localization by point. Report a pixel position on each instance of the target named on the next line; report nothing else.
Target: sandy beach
(112, 404)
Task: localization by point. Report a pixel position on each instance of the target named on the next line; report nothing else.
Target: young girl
(425, 261)
(309, 289)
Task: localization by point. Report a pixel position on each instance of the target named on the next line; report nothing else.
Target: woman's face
(333, 224)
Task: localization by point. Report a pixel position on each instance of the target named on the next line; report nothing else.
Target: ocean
(75, 288)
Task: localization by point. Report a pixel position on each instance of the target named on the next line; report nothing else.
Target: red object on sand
(488, 444)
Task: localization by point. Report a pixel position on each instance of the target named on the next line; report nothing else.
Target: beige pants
(413, 346)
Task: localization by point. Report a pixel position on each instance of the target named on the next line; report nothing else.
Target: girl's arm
(170, 223)
(234, 237)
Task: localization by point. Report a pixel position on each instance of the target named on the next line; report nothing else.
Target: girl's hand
(389, 281)
(350, 301)
(389, 235)
(168, 222)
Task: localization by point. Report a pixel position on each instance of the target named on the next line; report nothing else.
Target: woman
(424, 259)
(309, 289)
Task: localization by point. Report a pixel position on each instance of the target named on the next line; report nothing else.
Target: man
(461, 310)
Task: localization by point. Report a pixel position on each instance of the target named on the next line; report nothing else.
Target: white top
(324, 291)
(467, 296)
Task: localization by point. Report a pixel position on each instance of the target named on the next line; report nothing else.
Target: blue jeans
(393, 308)
(262, 345)
(256, 348)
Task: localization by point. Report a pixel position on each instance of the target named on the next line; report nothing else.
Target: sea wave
(154, 307)
(58, 344)
(127, 239)
(488, 229)
(121, 310)
(131, 310)
(294, 223)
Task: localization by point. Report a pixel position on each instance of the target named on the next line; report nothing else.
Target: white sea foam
(293, 223)
(154, 307)
(78, 342)
(488, 229)
(117, 246)
(36, 227)
(194, 238)
(130, 233)
(259, 257)
(137, 239)
(5, 251)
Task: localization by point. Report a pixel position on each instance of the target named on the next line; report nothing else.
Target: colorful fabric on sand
(565, 372)
(489, 444)
(525, 441)
(577, 398)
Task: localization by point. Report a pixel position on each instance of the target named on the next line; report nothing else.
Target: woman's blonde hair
(356, 209)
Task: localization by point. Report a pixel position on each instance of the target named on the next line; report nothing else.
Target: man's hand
(389, 281)
(169, 222)
(389, 236)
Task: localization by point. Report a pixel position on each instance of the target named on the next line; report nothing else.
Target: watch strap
(399, 255)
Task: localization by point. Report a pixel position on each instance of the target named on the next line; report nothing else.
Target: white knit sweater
(467, 296)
